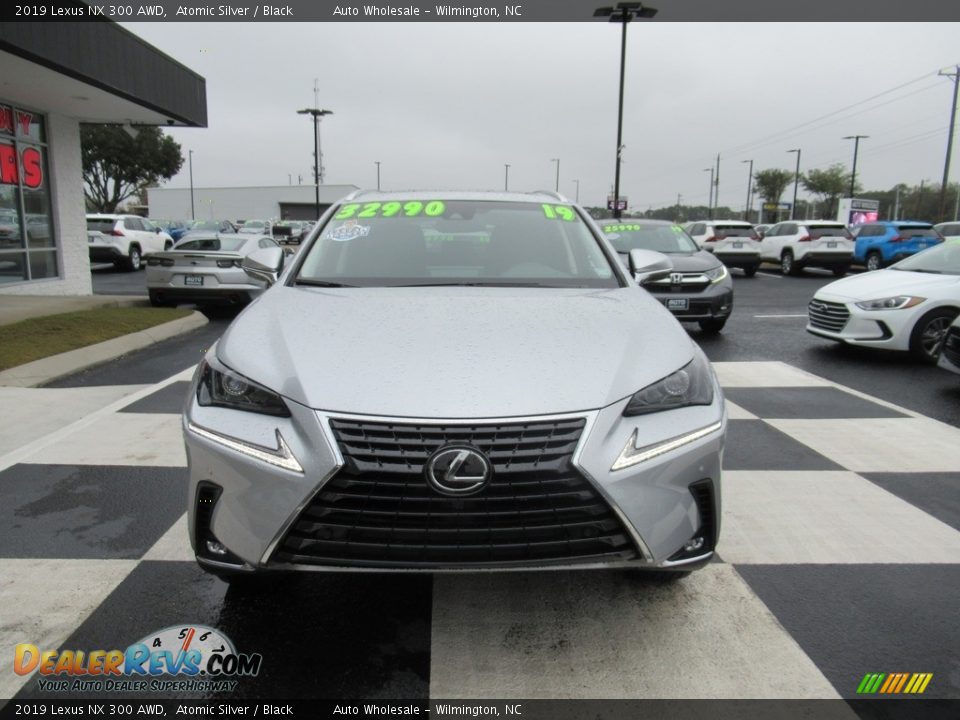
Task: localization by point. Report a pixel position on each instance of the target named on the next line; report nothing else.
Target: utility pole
(946, 161)
(506, 177)
(377, 163)
(193, 215)
(919, 203)
(710, 200)
(746, 210)
(796, 181)
(896, 204)
(716, 182)
(677, 213)
(856, 147)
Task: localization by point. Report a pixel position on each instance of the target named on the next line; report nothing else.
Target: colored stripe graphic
(894, 683)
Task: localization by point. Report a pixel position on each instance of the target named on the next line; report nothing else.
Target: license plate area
(738, 244)
(831, 243)
(193, 280)
(677, 303)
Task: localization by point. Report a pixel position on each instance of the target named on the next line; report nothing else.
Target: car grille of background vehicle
(828, 315)
(379, 511)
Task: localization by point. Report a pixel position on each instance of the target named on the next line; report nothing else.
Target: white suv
(734, 242)
(796, 244)
(124, 239)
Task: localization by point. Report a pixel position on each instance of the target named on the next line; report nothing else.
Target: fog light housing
(694, 544)
(215, 548)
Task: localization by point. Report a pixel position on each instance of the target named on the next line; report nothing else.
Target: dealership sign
(25, 167)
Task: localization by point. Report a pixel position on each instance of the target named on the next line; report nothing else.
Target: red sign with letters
(28, 168)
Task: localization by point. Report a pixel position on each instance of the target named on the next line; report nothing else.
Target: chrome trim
(280, 457)
(687, 561)
(245, 567)
(327, 415)
(614, 564)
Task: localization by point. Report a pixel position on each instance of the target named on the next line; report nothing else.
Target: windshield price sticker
(621, 228)
(561, 212)
(413, 208)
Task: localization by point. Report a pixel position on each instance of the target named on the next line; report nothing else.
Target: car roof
(540, 196)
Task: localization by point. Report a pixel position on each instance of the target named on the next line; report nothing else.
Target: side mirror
(649, 265)
(264, 264)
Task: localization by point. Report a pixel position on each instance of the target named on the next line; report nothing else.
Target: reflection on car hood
(700, 261)
(455, 352)
(886, 283)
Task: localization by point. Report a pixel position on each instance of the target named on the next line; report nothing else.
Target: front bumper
(259, 502)
(888, 329)
(715, 301)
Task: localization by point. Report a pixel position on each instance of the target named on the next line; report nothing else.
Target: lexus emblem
(458, 470)
(676, 278)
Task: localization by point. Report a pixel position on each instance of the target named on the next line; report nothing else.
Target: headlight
(691, 385)
(221, 387)
(717, 274)
(891, 303)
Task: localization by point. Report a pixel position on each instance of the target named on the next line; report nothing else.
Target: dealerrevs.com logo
(181, 658)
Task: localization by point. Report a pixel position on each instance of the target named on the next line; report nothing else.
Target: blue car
(882, 243)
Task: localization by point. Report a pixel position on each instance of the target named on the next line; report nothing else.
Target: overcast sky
(447, 105)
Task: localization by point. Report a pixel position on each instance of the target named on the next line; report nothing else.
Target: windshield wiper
(321, 283)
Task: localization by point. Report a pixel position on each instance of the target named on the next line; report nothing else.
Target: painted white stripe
(16, 456)
(612, 635)
(174, 545)
(770, 275)
(805, 517)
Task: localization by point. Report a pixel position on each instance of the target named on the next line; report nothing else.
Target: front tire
(928, 333)
(874, 261)
(712, 326)
(751, 271)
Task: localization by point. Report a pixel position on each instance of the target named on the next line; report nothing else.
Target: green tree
(829, 186)
(770, 184)
(116, 163)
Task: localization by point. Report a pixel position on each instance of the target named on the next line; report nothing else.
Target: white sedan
(908, 306)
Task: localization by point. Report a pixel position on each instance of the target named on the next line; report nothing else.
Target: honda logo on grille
(676, 278)
(458, 470)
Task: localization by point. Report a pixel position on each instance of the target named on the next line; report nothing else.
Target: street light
(317, 114)
(796, 180)
(577, 199)
(622, 13)
(506, 177)
(746, 211)
(856, 146)
(192, 212)
(557, 161)
(377, 163)
(710, 200)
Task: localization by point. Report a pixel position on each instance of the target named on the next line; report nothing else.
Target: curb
(40, 372)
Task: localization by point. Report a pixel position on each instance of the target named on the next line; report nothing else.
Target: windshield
(726, 231)
(205, 225)
(943, 259)
(819, 231)
(457, 242)
(662, 238)
(917, 231)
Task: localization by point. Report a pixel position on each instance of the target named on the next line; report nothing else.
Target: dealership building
(53, 77)
(283, 202)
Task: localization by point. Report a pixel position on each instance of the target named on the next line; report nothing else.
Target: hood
(455, 352)
(700, 261)
(885, 283)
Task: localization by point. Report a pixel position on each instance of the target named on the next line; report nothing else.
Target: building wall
(233, 204)
(66, 185)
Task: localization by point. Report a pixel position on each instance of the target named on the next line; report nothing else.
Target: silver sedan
(450, 382)
(205, 268)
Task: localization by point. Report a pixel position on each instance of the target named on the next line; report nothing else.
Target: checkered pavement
(839, 556)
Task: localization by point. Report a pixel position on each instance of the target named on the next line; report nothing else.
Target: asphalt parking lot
(838, 555)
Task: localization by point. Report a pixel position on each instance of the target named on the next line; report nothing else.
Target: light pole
(710, 200)
(193, 215)
(377, 163)
(577, 198)
(953, 119)
(796, 180)
(622, 13)
(317, 114)
(506, 177)
(856, 147)
(557, 161)
(746, 212)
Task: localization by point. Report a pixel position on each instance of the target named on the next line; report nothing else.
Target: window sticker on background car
(432, 208)
(621, 228)
(559, 211)
(350, 230)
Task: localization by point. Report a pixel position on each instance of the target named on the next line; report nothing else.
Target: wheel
(874, 261)
(928, 332)
(133, 259)
(155, 301)
(751, 271)
(841, 271)
(787, 264)
(712, 326)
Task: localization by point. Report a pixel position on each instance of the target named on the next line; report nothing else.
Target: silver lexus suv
(454, 381)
